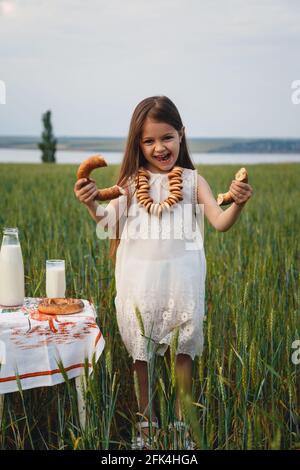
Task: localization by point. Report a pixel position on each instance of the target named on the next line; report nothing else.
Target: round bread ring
(171, 196)
(143, 190)
(166, 205)
(141, 183)
(154, 207)
(60, 306)
(175, 185)
(175, 182)
(143, 179)
(176, 168)
(145, 198)
(159, 211)
(146, 201)
(84, 171)
(177, 194)
(174, 173)
(176, 179)
(226, 198)
(148, 205)
(144, 173)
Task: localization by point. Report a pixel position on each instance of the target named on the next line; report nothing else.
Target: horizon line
(125, 137)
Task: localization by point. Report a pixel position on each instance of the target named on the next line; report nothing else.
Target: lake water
(33, 156)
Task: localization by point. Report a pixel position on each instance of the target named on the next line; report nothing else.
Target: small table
(32, 345)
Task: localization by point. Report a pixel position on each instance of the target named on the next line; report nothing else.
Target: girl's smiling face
(160, 144)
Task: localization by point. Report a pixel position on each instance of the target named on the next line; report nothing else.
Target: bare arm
(219, 219)
(108, 215)
(94, 209)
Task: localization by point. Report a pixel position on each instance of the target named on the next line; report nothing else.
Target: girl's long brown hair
(159, 109)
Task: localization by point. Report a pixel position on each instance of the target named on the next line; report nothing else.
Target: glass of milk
(55, 278)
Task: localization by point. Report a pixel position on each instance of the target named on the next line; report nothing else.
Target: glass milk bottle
(12, 289)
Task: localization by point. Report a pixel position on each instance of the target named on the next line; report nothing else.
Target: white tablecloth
(32, 344)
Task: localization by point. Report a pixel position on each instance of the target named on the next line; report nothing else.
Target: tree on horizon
(48, 142)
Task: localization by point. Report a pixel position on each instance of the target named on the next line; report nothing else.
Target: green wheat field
(245, 385)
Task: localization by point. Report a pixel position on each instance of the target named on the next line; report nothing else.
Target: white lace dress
(160, 270)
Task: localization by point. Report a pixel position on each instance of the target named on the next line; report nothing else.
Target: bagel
(154, 208)
(175, 186)
(142, 191)
(142, 182)
(60, 306)
(172, 198)
(84, 171)
(177, 168)
(226, 198)
(166, 205)
(144, 173)
(148, 205)
(146, 200)
(177, 194)
(175, 181)
(174, 173)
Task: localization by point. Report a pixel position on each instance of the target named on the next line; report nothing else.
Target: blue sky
(228, 65)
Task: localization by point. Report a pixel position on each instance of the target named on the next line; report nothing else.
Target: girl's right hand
(85, 193)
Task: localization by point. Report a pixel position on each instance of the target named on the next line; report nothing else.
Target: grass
(245, 385)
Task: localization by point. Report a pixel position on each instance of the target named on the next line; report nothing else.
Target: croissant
(226, 198)
(84, 171)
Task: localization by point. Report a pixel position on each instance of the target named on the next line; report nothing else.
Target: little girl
(160, 278)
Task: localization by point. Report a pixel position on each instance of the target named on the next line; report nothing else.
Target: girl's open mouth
(165, 158)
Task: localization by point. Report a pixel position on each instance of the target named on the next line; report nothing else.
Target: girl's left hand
(241, 192)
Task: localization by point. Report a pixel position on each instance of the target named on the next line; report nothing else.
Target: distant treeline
(197, 145)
